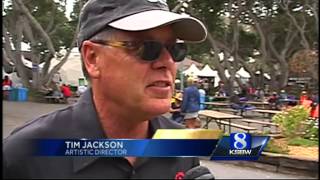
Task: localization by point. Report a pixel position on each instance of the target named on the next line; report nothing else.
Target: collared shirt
(81, 121)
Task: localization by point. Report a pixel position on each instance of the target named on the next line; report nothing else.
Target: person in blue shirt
(191, 104)
(283, 94)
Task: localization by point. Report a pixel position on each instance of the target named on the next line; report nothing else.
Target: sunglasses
(149, 50)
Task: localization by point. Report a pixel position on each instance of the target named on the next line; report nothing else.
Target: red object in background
(315, 112)
(251, 90)
(66, 91)
(303, 98)
(179, 176)
(7, 82)
(306, 103)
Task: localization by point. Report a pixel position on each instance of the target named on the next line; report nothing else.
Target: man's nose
(165, 60)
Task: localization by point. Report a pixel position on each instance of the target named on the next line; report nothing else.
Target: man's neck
(120, 123)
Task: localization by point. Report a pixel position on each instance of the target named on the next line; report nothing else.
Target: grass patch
(298, 141)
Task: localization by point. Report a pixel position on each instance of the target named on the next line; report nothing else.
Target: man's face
(126, 81)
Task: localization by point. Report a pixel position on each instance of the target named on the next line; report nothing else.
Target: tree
(44, 26)
(268, 31)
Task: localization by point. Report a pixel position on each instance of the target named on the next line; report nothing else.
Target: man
(6, 87)
(191, 104)
(6, 83)
(303, 97)
(129, 51)
(66, 91)
(273, 100)
(238, 104)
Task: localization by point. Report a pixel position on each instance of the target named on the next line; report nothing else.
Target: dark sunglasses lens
(178, 51)
(151, 50)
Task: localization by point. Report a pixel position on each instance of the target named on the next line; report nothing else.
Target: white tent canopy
(226, 72)
(207, 72)
(266, 76)
(243, 73)
(191, 71)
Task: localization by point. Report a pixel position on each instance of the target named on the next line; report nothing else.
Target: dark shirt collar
(88, 126)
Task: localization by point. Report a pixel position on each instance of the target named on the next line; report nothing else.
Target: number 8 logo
(240, 142)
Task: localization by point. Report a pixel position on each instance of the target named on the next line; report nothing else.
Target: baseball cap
(136, 15)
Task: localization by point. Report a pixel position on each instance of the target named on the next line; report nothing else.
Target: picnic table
(262, 104)
(217, 104)
(217, 116)
(266, 111)
(263, 123)
(55, 99)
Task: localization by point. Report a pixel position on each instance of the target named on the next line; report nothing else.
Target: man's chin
(158, 108)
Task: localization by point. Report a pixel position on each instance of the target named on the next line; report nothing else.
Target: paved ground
(17, 113)
(230, 171)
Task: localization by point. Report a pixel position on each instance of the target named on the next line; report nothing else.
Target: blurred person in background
(191, 104)
(6, 83)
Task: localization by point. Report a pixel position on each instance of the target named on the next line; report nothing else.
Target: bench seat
(56, 99)
(240, 126)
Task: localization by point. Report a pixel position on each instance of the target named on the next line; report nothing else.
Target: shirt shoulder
(49, 125)
(18, 146)
(52, 125)
(161, 122)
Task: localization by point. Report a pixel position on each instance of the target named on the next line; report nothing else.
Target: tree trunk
(21, 69)
(35, 54)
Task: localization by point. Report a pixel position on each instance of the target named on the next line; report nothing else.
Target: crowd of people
(186, 104)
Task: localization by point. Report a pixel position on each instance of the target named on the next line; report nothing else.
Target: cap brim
(185, 27)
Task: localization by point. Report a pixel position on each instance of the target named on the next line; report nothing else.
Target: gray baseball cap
(136, 15)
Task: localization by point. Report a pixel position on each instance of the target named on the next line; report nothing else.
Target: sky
(69, 7)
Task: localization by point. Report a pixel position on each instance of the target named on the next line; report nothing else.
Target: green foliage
(312, 130)
(291, 121)
(274, 147)
(226, 134)
(298, 141)
(51, 16)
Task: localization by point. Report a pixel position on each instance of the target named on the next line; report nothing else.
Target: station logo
(240, 144)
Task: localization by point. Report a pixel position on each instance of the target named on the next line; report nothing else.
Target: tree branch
(315, 10)
(7, 45)
(216, 58)
(21, 69)
(55, 69)
(51, 22)
(177, 7)
(301, 29)
(36, 25)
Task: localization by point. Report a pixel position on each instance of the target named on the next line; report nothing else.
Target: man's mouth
(160, 84)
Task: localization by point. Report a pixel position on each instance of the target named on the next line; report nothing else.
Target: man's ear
(89, 53)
